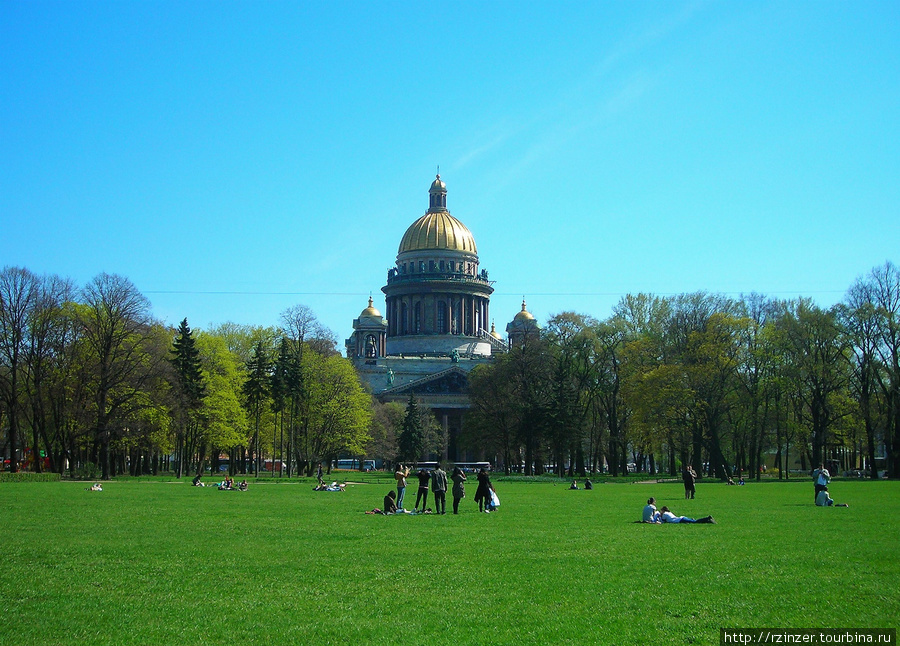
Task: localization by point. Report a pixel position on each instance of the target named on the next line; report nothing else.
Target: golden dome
(494, 332)
(370, 312)
(439, 231)
(524, 315)
(438, 185)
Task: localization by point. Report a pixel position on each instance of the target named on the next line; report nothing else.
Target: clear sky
(236, 158)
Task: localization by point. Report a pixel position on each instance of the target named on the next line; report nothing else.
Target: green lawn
(152, 562)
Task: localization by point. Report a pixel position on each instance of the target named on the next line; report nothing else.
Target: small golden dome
(494, 332)
(438, 231)
(370, 312)
(438, 185)
(524, 315)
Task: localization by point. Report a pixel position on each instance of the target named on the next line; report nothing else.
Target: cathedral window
(417, 322)
(442, 317)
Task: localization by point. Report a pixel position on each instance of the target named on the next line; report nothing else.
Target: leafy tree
(387, 422)
(117, 328)
(18, 292)
(44, 328)
(884, 290)
(337, 415)
(224, 425)
(818, 352)
(495, 417)
(860, 319)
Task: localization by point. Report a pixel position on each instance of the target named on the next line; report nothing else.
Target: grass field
(154, 562)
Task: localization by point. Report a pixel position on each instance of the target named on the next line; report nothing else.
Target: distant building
(437, 306)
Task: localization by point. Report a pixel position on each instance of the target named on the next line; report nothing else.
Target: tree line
(92, 384)
(725, 385)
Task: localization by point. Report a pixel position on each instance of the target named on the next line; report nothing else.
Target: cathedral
(434, 331)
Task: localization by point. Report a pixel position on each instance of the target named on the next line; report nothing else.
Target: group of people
(437, 479)
(665, 515)
(821, 478)
(588, 485)
(334, 486)
(228, 485)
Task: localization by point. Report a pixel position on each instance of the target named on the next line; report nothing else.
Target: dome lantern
(437, 195)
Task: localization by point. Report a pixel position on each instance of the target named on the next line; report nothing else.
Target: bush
(27, 476)
(87, 471)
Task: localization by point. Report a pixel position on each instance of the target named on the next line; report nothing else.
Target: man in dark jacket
(439, 488)
(422, 494)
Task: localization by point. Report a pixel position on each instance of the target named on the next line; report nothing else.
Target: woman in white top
(650, 514)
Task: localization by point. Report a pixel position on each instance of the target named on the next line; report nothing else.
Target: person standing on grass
(422, 494)
(439, 488)
(459, 487)
(821, 478)
(483, 493)
(689, 476)
(400, 476)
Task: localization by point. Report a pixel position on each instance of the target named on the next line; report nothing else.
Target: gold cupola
(437, 230)
(370, 312)
(524, 315)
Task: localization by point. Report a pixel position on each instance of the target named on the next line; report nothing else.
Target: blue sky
(236, 158)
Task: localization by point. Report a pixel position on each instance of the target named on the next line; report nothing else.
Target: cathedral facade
(435, 328)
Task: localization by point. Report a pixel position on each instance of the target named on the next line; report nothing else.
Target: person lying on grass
(666, 516)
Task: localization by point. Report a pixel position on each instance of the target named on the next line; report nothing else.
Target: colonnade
(455, 314)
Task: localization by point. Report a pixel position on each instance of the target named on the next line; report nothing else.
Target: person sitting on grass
(666, 516)
(588, 484)
(823, 499)
(390, 503)
(650, 514)
(574, 485)
(243, 486)
(196, 481)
